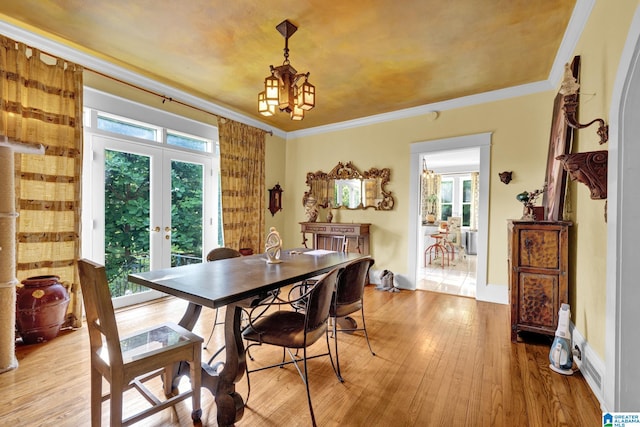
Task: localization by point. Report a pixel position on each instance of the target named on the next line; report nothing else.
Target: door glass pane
(186, 213)
(126, 200)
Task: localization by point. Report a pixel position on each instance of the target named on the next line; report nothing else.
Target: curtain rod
(164, 97)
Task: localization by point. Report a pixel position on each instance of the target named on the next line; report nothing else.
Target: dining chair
(216, 255)
(291, 329)
(336, 243)
(131, 361)
(226, 253)
(348, 299)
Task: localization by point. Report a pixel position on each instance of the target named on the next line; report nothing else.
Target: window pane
(466, 191)
(187, 142)
(126, 219)
(186, 213)
(447, 210)
(446, 191)
(466, 215)
(126, 128)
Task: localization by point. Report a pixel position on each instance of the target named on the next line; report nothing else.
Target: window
(152, 194)
(456, 198)
(187, 141)
(446, 198)
(126, 127)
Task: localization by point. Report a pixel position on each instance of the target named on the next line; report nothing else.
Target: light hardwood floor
(441, 360)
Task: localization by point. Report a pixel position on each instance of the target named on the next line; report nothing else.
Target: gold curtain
(41, 103)
(242, 150)
(475, 194)
(430, 187)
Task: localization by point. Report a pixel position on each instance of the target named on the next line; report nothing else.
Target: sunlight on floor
(458, 278)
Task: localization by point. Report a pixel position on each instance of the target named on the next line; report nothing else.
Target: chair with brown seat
(292, 329)
(348, 299)
(131, 361)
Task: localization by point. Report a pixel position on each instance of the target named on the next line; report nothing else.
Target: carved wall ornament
(569, 88)
(506, 176)
(589, 168)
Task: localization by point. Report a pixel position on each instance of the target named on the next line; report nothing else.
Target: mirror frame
(349, 171)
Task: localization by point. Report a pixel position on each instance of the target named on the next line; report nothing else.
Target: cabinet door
(538, 302)
(539, 248)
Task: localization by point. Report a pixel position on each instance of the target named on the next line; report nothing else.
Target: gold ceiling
(365, 57)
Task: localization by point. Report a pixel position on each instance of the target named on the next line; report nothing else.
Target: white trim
(576, 25)
(622, 348)
(597, 365)
(451, 104)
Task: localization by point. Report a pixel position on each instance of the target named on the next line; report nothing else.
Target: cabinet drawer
(539, 248)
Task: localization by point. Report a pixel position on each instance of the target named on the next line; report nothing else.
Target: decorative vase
(41, 307)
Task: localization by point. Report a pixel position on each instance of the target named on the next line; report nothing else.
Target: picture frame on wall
(560, 141)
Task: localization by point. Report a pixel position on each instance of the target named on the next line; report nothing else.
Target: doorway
(150, 205)
(447, 242)
(484, 291)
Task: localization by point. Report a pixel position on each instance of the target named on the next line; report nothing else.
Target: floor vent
(592, 372)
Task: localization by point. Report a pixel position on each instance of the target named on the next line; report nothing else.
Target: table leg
(230, 406)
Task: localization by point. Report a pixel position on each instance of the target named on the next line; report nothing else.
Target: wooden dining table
(234, 283)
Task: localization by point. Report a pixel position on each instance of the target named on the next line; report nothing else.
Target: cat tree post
(8, 279)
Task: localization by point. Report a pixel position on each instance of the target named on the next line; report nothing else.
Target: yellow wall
(520, 139)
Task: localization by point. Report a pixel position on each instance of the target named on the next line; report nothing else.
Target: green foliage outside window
(127, 228)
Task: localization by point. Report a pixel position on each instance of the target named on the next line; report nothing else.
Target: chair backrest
(455, 232)
(339, 243)
(351, 281)
(101, 319)
(319, 303)
(222, 253)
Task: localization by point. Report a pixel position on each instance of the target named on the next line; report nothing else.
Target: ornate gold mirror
(346, 187)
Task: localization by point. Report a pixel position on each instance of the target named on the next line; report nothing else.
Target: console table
(356, 234)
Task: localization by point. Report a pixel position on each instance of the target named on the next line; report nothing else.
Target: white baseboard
(498, 294)
(590, 364)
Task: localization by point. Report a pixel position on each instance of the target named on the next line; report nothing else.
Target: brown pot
(41, 307)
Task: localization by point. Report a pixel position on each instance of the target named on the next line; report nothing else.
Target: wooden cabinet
(356, 234)
(538, 275)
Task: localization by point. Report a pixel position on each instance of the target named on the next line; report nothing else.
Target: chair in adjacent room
(291, 329)
(348, 299)
(454, 237)
(131, 361)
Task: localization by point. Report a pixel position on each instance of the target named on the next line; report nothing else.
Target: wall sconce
(275, 199)
(505, 176)
(569, 89)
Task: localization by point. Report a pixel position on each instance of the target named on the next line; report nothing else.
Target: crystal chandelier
(281, 88)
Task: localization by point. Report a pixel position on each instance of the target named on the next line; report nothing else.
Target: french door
(152, 208)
